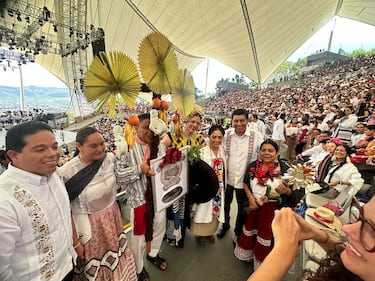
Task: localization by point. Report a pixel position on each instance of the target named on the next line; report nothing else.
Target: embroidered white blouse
(100, 193)
(35, 227)
(347, 172)
(203, 211)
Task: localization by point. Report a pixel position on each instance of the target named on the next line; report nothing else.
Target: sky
(349, 35)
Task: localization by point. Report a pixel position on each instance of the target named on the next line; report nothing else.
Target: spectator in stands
(303, 134)
(369, 132)
(330, 114)
(317, 152)
(313, 138)
(358, 134)
(367, 168)
(316, 158)
(363, 114)
(257, 125)
(291, 132)
(371, 118)
(35, 223)
(345, 126)
(321, 124)
(4, 161)
(269, 125)
(342, 173)
(278, 135)
(324, 165)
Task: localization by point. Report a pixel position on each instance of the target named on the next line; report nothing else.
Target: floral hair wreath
(337, 141)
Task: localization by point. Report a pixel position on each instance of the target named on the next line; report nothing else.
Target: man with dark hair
(278, 135)
(257, 125)
(135, 185)
(35, 222)
(241, 147)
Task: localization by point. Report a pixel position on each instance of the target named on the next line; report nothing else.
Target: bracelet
(76, 245)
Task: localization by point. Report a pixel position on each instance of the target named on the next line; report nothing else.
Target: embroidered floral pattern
(41, 232)
(263, 175)
(218, 167)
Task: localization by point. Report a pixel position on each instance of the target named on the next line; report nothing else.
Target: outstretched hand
(286, 229)
(307, 230)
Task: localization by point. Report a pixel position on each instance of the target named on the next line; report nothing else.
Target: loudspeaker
(98, 46)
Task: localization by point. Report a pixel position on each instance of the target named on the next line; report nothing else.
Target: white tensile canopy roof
(251, 36)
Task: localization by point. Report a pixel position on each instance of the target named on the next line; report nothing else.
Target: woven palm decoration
(183, 95)
(158, 63)
(112, 77)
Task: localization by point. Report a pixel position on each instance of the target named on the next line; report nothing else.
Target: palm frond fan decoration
(301, 174)
(183, 95)
(158, 63)
(112, 77)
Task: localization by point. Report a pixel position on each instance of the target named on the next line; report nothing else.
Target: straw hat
(314, 251)
(326, 217)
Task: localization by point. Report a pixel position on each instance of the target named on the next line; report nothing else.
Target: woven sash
(76, 184)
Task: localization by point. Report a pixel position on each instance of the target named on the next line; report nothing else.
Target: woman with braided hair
(98, 235)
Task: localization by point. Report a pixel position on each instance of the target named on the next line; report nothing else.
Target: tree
(232, 84)
(360, 52)
(289, 69)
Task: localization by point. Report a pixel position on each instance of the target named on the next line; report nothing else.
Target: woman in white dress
(207, 216)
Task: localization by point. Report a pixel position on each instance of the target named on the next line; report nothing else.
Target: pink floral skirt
(108, 256)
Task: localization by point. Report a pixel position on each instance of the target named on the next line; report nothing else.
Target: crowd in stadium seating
(315, 94)
(319, 101)
(335, 102)
(320, 105)
(9, 118)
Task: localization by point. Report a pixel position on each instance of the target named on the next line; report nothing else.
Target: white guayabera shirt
(35, 227)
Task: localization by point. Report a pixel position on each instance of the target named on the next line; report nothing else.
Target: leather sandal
(143, 275)
(201, 241)
(158, 261)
